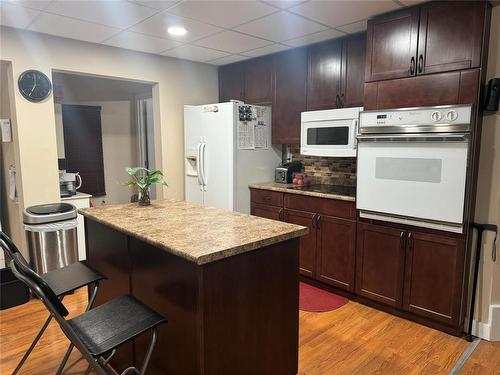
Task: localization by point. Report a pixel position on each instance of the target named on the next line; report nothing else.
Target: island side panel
(251, 312)
(169, 285)
(107, 251)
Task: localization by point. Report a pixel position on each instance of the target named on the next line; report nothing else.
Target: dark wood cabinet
(380, 254)
(353, 67)
(450, 37)
(267, 211)
(392, 45)
(289, 99)
(324, 75)
(308, 243)
(232, 82)
(259, 81)
(336, 251)
(433, 276)
(436, 37)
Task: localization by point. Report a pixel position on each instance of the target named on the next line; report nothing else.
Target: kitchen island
(226, 282)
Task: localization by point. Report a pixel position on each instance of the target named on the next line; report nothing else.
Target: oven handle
(437, 137)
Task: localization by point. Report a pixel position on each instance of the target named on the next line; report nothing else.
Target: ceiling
(218, 32)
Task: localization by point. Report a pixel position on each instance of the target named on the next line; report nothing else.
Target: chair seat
(113, 323)
(70, 278)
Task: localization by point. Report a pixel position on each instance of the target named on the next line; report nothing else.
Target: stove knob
(436, 116)
(452, 115)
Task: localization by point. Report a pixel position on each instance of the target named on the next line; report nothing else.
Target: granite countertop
(290, 188)
(198, 234)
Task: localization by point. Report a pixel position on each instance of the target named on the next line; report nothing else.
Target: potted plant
(143, 178)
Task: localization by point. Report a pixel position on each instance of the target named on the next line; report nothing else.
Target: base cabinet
(308, 243)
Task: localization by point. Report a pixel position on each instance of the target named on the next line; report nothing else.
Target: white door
(413, 178)
(192, 136)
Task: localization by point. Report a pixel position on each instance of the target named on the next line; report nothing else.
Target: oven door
(416, 180)
(329, 138)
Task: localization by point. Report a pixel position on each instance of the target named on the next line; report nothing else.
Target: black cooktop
(349, 191)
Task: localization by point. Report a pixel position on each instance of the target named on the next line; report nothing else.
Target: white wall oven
(412, 165)
(330, 132)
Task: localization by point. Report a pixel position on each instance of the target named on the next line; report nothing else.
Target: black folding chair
(98, 331)
(62, 281)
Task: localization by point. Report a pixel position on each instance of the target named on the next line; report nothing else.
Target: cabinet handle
(410, 241)
(314, 220)
(342, 100)
(267, 198)
(420, 63)
(337, 101)
(318, 218)
(280, 215)
(412, 65)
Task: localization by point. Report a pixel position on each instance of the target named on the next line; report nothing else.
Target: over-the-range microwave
(330, 132)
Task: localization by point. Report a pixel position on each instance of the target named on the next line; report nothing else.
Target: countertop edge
(207, 258)
(285, 189)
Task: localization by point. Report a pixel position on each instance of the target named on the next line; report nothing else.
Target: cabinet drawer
(272, 198)
(321, 206)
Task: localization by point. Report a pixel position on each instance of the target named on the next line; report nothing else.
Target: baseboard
(491, 330)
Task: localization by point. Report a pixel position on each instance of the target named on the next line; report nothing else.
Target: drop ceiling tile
(354, 27)
(33, 4)
(158, 25)
(194, 53)
(280, 26)
(222, 13)
(313, 38)
(16, 16)
(336, 13)
(284, 4)
(232, 42)
(71, 28)
(227, 60)
(265, 50)
(121, 14)
(141, 42)
(159, 5)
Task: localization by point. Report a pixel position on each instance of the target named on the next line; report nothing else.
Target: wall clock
(34, 85)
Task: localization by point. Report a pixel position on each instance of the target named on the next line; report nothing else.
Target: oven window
(408, 169)
(334, 136)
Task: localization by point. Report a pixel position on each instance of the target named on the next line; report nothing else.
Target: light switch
(6, 130)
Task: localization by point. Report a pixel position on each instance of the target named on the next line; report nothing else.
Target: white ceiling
(219, 32)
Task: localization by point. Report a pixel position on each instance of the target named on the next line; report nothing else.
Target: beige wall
(177, 82)
(488, 193)
(119, 144)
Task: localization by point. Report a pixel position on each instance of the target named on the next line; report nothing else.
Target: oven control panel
(428, 117)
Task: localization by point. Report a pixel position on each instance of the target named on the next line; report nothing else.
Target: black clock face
(34, 85)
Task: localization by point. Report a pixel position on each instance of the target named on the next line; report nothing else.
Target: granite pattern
(198, 234)
(288, 188)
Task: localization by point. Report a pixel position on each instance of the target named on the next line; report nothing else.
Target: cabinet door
(450, 36)
(290, 72)
(336, 251)
(268, 212)
(259, 81)
(380, 253)
(392, 45)
(324, 73)
(307, 252)
(231, 82)
(433, 276)
(353, 70)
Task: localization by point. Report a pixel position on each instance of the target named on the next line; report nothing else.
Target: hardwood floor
(355, 339)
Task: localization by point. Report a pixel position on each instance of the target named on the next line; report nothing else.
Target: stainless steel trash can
(51, 235)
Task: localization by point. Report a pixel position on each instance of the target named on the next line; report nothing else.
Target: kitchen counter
(198, 234)
(213, 274)
(292, 189)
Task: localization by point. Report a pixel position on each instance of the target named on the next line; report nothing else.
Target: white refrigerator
(227, 147)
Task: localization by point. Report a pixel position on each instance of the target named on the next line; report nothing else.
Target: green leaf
(135, 170)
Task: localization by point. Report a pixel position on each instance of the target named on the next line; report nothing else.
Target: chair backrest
(7, 245)
(37, 286)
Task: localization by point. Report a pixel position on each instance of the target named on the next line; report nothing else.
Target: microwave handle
(354, 139)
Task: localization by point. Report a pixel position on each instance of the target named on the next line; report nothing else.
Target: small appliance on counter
(69, 183)
(284, 173)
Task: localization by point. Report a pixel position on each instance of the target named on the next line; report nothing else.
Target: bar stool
(62, 281)
(98, 331)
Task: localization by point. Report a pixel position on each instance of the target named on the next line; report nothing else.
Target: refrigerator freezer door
(192, 178)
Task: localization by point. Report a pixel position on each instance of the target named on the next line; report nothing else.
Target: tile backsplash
(331, 171)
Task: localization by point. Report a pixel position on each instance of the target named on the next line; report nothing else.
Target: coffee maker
(68, 182)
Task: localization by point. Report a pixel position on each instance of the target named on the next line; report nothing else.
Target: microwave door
(413, 177)
(329, 138)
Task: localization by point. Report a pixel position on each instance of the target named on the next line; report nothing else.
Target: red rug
(317, 300)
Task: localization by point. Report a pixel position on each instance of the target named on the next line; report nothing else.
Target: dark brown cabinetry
(307, 247)
(432, 38)
(289, 95)
(269, 212)
(259, 81)
(353, 66)
(232, 82)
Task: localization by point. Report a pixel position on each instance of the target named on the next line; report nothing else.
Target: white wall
(176, 82)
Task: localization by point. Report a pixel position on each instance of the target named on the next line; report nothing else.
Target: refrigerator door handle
(198, 166)
(202, 167)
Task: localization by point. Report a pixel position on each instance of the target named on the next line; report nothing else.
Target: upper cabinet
(353, 66)
(231, 82)
(432, 38)
(259, 81)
